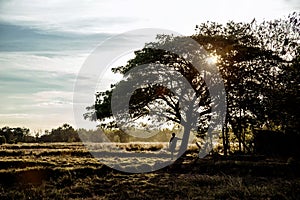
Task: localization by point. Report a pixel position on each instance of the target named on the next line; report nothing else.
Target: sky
(44, 44)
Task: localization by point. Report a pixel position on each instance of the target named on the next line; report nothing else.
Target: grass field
(69, 171)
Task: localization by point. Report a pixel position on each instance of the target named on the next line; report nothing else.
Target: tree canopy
(259, 65)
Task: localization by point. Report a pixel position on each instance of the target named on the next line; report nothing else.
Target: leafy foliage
(64, 133)
(13, 135)
(259, 63)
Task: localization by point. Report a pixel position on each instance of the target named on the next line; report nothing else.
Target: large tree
(255, 61)
(259, 65)
(168, 98)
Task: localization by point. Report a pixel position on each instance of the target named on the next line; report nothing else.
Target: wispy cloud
(14, 115)
(53, 98)
(94, 16)
(19, 61)
(23, 38)
(69, 16)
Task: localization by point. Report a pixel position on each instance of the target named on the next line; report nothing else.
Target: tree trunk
(224, 138)
(227, 135)
(185, 140)
(240, 129)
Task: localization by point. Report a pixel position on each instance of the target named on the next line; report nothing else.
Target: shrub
(276, 143)
(2, 139)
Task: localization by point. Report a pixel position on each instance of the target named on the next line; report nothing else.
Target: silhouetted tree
(150, 96)
(258, 62)
(2, 139)
(64, 133)
(14, 135)
(256, 65)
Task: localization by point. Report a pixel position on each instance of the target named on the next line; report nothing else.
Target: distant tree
(7, 133)
(14, 135)
(2, 139)
(64, 133)
(20, 133)
(29, 139)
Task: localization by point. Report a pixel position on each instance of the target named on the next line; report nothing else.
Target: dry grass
(68, 171)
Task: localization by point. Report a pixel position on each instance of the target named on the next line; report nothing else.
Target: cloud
(18, 61)
(53, 98)
(68, 16)
(294, 4)
(21, 38)
(27, 91)
(115, 16)
(14, 115)
(37, 121)
(40, 110)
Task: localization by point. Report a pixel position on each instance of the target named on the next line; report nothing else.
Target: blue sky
(43, 44)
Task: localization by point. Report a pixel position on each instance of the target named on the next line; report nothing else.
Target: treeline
(13, 135)
(66, 133)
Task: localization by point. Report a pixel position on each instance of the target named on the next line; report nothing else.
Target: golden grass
(68, 171)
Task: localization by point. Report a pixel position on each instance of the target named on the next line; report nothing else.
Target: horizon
(42, 52)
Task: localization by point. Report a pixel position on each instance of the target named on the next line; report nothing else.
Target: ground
(69, 171)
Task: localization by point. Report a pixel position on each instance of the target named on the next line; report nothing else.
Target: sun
(212, 59)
